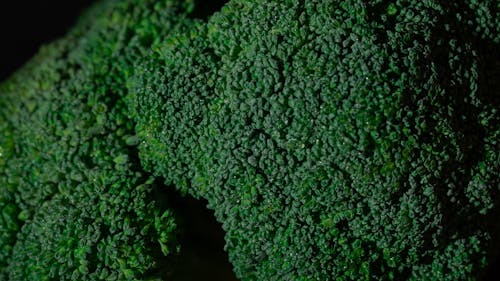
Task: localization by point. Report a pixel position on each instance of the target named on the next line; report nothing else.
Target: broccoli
(335, 140)
(74, 202)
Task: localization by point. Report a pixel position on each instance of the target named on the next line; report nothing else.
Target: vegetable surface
(74, 200)
(335, 140)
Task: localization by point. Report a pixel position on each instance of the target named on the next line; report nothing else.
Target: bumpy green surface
(335, 140)
(74, 202)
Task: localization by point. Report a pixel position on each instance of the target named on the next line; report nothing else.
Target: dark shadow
(25, 26)
(493, 270)
(202, 244)
(205, 8)
(202, 255)
(489, 89)
(465, 218)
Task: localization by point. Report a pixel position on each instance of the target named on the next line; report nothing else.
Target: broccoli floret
(335, 140)
(75, 203)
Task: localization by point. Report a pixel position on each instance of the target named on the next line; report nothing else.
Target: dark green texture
(335, 140)
(74, 201)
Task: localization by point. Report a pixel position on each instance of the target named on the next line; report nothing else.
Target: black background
(25, 25)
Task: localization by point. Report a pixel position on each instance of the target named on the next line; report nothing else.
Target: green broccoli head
(74, 200)
(335, 140)
(345, 140)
